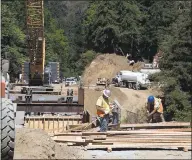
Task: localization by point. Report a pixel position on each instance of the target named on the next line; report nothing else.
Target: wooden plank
(77, 142)
(175, 129)
(68, 134)
(69, 140)
(75, 139)
(154, 144)
(148, 132)
(98, 137)
(79, 127)
(146, 136)
(138, 146)
(156, 125)
(144, 133)
(143, 141)
(66, 137)
(134, 132)
(54, 117)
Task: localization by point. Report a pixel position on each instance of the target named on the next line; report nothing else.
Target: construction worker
(154, 109)
(103, 110)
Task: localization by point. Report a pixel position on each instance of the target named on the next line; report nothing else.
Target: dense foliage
(176, 63)
(12, 35)
(76, 30)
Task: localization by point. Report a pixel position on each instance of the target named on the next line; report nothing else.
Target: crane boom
(35, 41)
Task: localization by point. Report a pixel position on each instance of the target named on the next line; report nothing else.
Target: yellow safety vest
(103, 103)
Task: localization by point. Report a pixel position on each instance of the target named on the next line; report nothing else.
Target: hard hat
(151, 99)
(107, 93)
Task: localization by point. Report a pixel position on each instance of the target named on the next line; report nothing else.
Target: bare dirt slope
(135, 102)
(106, 66)
(36, 144)
(130, 100)
(91, 96)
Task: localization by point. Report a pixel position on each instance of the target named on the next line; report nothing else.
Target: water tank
(134, 77)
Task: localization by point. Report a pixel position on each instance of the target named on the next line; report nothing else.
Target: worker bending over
(154, 109)
(103, 110)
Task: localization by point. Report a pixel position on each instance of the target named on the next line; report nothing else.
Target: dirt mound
(36, 144)
(106, 66)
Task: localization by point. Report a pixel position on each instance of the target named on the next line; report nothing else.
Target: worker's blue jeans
(115, 118)
(104, 123)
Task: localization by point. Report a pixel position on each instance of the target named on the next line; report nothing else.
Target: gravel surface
(137, 154)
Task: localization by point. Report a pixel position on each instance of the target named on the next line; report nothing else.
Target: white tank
(141, 78)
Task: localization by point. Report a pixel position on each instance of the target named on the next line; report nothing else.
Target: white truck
(134, 80)
(70, 81)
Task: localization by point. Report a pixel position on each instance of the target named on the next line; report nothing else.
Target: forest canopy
(76, 31)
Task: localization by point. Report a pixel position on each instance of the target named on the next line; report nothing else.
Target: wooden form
(52, 124)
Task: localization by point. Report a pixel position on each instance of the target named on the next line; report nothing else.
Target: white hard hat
(107, 93)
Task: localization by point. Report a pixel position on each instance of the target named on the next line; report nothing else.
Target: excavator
(34, 97)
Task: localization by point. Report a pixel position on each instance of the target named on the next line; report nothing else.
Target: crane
(35, 41)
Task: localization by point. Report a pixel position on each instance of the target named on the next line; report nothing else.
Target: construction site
(43, 118)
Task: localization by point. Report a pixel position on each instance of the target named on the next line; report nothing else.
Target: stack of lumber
(167, 138)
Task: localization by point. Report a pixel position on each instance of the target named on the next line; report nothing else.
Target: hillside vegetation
(77, 30)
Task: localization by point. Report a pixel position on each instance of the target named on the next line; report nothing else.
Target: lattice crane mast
(35, 41)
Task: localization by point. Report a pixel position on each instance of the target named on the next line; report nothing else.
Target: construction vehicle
(38, 96)
(134, 80)
(103, 81)
(35, 98)
(7, 114)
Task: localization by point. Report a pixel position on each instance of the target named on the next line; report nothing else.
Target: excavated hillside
(106, 66)
(91, 96)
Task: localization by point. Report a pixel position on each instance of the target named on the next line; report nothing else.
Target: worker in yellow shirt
(103, 109)
(154, 109)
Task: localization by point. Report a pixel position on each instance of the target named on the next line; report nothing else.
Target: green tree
(114, 25)
(56, 42)
(176, 62)
(12, 37)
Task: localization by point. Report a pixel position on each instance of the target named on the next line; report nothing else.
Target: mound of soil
(106, 66)
(37, 144)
